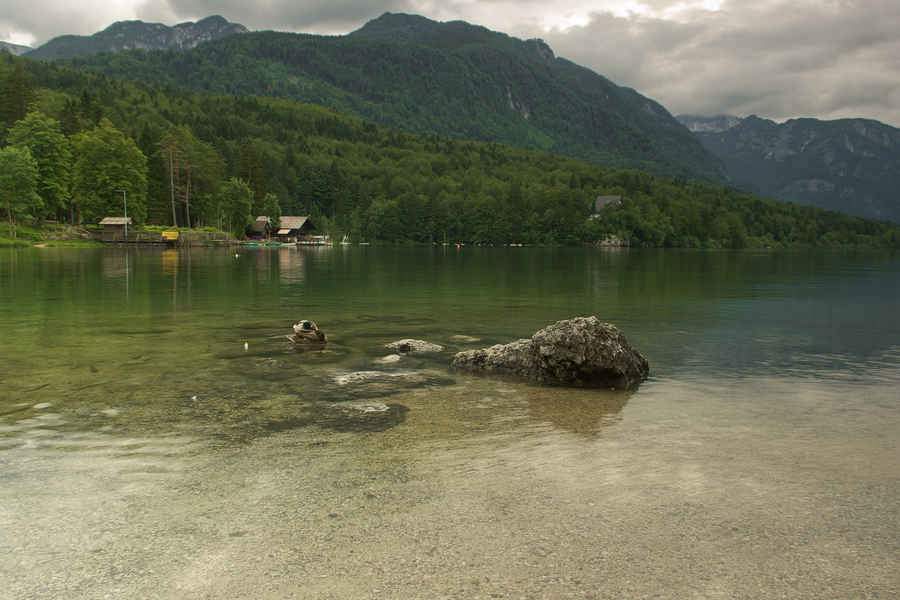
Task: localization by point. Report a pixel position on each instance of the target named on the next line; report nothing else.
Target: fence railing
(161, 238)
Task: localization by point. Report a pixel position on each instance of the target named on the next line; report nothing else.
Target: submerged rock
(576, 351)
(463, 339)
(375, 384)
(360, 416)
(395, 379)
(272, 368)
(405, 346)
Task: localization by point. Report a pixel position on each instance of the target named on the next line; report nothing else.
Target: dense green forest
(204, 160)
(451, 79)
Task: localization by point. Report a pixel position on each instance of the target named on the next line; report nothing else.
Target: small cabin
(261, 228)
(295, 229)
(114, 228)
(602, 201)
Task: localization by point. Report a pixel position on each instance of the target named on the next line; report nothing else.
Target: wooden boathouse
(295, 229)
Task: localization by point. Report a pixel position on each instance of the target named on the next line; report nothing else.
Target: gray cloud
(779, 59)
(41, 20)
(310, 16)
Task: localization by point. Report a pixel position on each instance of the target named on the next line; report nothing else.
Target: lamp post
(125, 204)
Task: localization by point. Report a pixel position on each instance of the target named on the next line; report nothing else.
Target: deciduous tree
(18, 180)
(107, 161)
(50, 148)
(272, 210)
(237, 198)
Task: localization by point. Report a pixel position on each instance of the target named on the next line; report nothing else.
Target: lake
(160, 438)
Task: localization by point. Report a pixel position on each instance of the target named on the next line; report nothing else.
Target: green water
(145, 452)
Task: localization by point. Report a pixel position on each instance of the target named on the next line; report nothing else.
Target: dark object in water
(306, 333)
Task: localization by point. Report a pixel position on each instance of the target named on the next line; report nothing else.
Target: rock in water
(576, 351)
(405, 346)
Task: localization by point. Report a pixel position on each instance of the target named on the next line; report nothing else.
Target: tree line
(85, 142)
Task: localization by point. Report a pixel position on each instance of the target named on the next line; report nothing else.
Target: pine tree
(16, 94)
(249, 169)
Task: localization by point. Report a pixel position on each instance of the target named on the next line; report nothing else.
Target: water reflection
(115, 263)
(605, 275)
(170, 260)
(291, 266)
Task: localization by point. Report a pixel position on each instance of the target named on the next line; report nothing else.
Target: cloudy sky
(779, 59)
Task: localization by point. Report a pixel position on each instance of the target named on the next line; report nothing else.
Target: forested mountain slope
(452, 79)
(850, 165)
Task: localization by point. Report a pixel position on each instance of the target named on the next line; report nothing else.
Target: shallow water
(144, 453)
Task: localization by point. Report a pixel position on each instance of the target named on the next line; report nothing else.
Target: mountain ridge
(125, 35)
(716, 124)
(850, 165)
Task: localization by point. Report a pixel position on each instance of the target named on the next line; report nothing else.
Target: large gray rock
(576, 351)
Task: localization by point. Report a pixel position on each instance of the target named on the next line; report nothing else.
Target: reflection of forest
(583, 411)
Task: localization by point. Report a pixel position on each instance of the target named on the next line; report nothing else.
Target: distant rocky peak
(14, 49)
(126, 35)
(150, 36)
(716, 124)
(542, 48)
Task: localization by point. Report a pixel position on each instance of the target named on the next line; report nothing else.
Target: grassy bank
(47, 234)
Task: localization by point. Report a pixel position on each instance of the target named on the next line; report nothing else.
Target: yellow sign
(170, 235)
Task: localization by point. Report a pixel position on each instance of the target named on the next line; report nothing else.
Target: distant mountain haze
(848, 165)
(15, 49)
(716, 124)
